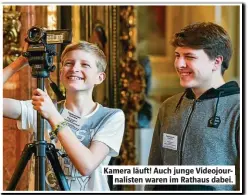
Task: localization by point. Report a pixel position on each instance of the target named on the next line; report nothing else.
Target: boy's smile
(74, 78)
(184, 73)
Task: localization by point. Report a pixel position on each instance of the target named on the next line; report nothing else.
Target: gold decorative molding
(52, 17)
(11, 33)
(114, 56)
(132, 82)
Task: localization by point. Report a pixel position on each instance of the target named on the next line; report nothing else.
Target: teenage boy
(88, 133)
(201, 125)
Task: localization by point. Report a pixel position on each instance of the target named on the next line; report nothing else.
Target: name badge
(72, 120)
(170, 141)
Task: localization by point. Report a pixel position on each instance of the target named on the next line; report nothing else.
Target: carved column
(132, 84)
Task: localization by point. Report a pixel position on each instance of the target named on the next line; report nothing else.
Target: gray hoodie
(207, 131)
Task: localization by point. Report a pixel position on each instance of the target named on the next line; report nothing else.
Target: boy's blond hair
(91, 48)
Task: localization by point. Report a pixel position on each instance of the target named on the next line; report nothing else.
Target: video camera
(42, 48)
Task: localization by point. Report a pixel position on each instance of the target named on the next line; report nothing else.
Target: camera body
(42, 48)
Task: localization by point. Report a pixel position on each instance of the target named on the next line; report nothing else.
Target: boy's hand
(44, 105)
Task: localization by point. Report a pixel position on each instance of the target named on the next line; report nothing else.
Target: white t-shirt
(103, 124)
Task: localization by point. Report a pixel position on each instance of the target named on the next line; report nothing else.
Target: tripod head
(42, 49)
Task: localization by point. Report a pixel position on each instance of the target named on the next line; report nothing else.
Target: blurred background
(140, 73)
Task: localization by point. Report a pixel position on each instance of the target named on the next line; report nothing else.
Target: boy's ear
(217, 63)
(101, 77)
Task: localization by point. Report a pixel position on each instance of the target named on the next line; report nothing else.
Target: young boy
(87, 132)
(201, 125)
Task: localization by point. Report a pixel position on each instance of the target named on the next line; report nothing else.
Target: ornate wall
(14, 27)
(16, 22)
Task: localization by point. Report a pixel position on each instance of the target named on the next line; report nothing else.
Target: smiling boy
(87, 133)
(201, 125)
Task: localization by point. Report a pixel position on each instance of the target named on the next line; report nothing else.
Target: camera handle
(40, 148)
(56, 90)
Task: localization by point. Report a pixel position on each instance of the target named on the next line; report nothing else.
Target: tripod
(40, 149)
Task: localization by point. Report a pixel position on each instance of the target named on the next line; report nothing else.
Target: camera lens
(34, 34)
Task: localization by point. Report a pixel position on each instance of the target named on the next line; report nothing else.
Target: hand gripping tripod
(40, 149)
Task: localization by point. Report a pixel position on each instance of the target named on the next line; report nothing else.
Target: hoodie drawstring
(180, 101)
(215, 121)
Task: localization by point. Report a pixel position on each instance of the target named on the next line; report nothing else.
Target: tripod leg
(40, 165)
(25, 157)
(53, 158)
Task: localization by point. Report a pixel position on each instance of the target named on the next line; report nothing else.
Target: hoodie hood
(227, 89)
